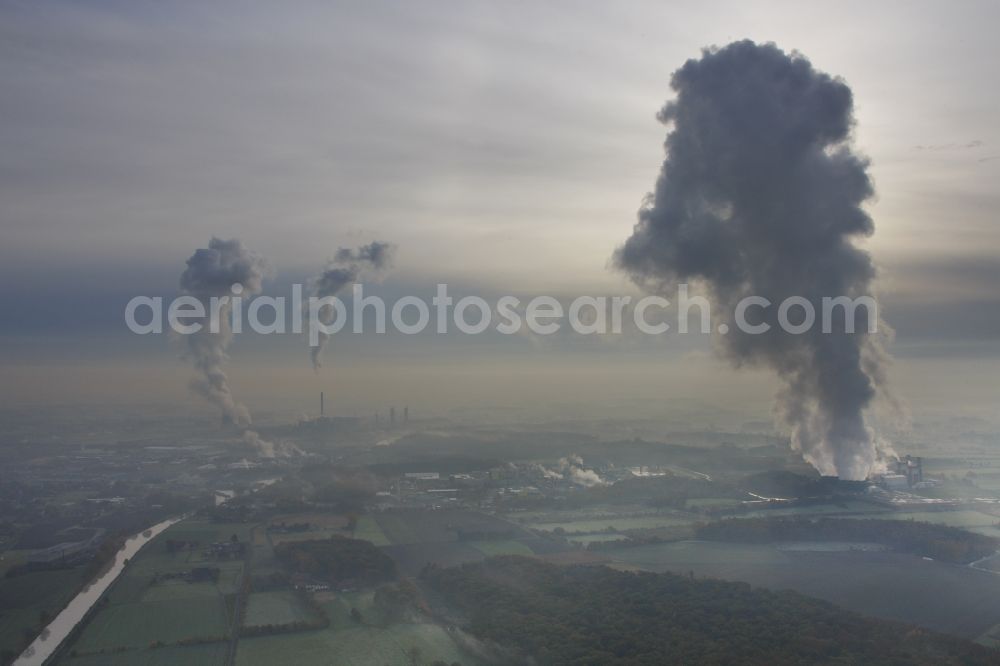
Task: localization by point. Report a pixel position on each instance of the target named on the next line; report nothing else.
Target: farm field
(506, 547)
(368, 529)
(991, 637)
(355, 646)
(596, 512)
(206, 532)
(321, 526)
(349, 643)
(12, 558)
(311, 535)
(967, 518)
(317, 521)
(139, 625)
(415, 526)
(850, 509)
(944, 597)
(414, 539)
(206, 654)
(619, 524)
(989, 564)
(28, 596)
(277, 607)
(585, 539)
(712, 502)
(141, 611)
(264, 561)
(152, 619)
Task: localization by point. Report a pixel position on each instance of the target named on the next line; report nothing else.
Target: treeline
(594, 615)
(287, 628)
(939, 542)
(337, 560)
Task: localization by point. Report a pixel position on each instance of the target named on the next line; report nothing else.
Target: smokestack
(322, 411)
(761, 195)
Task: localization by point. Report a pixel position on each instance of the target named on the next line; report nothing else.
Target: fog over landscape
(481, 333)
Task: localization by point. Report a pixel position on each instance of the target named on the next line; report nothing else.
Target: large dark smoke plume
(761, 194)
(212, 272)
(346, 267)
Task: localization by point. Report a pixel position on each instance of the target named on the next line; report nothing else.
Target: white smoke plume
(761, 194)
(571, 467)
(548, 473)
(211, 273)
(264, 448)
(346, 267)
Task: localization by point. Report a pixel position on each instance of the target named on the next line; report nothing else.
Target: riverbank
(57, 631)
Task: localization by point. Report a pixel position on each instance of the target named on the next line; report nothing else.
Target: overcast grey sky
(503, 147)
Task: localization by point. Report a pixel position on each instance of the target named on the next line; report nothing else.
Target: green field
(141, 611)
(712, 502)
(399, 528)
(139, 625)
(963, 518)
(990, 638)
(675, 556)
(310, 535)
(619, 524)
(277, 608)
(148, 618)
(369, 530)
(338, 609)
(505, 547)
(593, 538)
(264, 561)
(175, 590)
(12, 558)
(862, 509)
(413, 526)
(208, 654)
(205, 532)
(24, 598)
(349, 643)
(354, 646)
(595, 512)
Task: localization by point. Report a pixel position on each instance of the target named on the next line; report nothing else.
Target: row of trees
(949, 544)
(594, 615)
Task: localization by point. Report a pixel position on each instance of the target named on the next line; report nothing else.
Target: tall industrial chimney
(322, 409)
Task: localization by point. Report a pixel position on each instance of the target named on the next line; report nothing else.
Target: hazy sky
(503, 147)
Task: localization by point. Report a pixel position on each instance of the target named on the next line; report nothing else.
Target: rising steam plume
(761, 194)
(212, 272)
(571, 468)
(347, 266)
